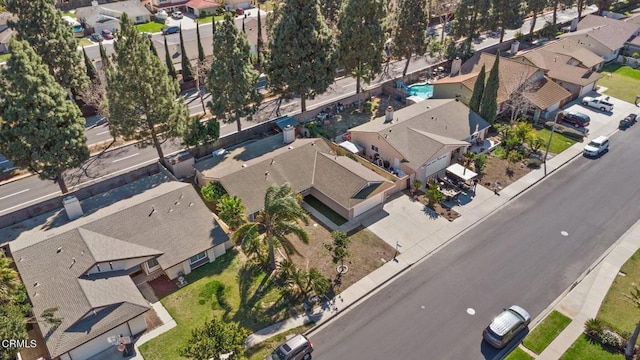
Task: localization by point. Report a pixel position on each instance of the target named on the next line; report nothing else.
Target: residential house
(423, 139)
(311, 166)
(523, 88)
(167, 5)
(202, 7)
(84, 268)
(604, 36)
(107, 16)
(5, 32)
(571, 47)
(565, 70)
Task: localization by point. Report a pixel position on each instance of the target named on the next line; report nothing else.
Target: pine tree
(104, 57)
(231, 76)
(489, 103)
(40, 130)
(506, 14)
(260, 42)
(535, 7)
(330, 9)
(360, 23)
(201, 56)
(187, 69)
(478, 89)
(92, 73)
(169, 61)
(409, 34)
(42, 26)
(141, 94)
(301, 50)
(471, 18)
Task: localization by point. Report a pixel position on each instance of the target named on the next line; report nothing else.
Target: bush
(610, 338)
(534, 163)
(593, 327)
(565, 130)
(499, 152)
(636, 55)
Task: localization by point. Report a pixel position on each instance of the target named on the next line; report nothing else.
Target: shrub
(499, 152)
(534, 163)
(593, 327)
(565, 130)
(636, 55)
(610, 338)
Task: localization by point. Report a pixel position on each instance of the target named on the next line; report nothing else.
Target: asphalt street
(527, 253)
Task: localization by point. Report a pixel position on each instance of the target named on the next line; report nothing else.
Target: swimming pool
(424, 91)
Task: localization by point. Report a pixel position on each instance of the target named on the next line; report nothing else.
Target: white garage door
(586, 89)
(98, 344)
(367, 204)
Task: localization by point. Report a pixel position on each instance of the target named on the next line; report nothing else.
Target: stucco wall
(450, 91)
(137, 325)
(118, 265)
(330, 203)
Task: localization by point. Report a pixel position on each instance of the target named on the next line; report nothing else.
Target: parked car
(177, 15)
(107, 34)
(296, 348)
(239, 11)
(170, 30)
(596, 147)
(628, 121)
(506, 325)
(576, 118)
(598, 103)
(96, 37)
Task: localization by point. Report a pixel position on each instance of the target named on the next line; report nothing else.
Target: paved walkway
(581, 302)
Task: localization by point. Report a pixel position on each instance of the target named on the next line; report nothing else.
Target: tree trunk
(580, 5)
(502, 35)
(631, 344)
(156, 143)
(533, 23)
(61, 183)
(555, 13)
(240, 124)
(358, 84)
(303, 103)
(272, 254)
(406, 66)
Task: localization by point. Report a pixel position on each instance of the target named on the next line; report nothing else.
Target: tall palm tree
(231, 211)
(281, 215)
(9, 281)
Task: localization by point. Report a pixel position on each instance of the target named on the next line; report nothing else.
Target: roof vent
(153, 210)
(59, 250)
(244, 165)
(190, 204)
(36, 284)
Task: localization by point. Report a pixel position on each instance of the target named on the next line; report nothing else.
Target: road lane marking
(30, 201)
(126, 157)
(102, 133)
(14, 194)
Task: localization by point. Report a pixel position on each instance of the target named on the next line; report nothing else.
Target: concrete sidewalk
(580, 302)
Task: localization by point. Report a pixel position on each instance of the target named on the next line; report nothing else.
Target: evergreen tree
(231, 76)
(199, 133)
(201, 56)
(42, 26)
(169, 62)
(489, 103)
(301, 50)
(92, 73)
(409, 35)
(535, 7)
(40, 130)
(330, 9)
(361, 39)
(104, 57)
(187, 69)
(471, 18)
(260, 42)
(141, 94)
(478, 89)
(506, 14)
(216, 338)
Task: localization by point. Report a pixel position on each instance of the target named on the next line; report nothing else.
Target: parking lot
(598, 118)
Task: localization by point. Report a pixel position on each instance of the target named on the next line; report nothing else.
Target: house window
(194, 259)
(374, 148)
(152, 263)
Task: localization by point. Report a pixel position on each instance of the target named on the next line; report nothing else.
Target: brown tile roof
(202, 4)
(249, 170)
(570, 46)
(545, 93)
(559, 67)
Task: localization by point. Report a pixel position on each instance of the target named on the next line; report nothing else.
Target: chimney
(515, 46)
(72, 207)
(455, 66)
(388, 114)
(289, 134)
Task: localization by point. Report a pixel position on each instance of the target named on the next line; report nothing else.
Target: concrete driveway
(418, 229)
(600, 119)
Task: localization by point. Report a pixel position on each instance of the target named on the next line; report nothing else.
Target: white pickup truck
(598, 103)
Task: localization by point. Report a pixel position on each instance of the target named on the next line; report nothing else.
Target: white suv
(596, 146)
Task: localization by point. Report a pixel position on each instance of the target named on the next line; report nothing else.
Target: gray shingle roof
(609, 32)
(94, 14)
(303, 164)
(571, 47)
(427, 128)
(180, 227)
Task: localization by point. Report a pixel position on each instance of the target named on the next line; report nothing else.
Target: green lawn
(70, 14)
(623, 84)
(583, 349)
(224, 289)
(84, 42)
(617, 310)
(208, 19)
(518, 354)
(150, 27)
(325, 210)
(538, 339)
(559, 142)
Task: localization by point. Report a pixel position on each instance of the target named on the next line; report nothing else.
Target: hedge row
(566, 131)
